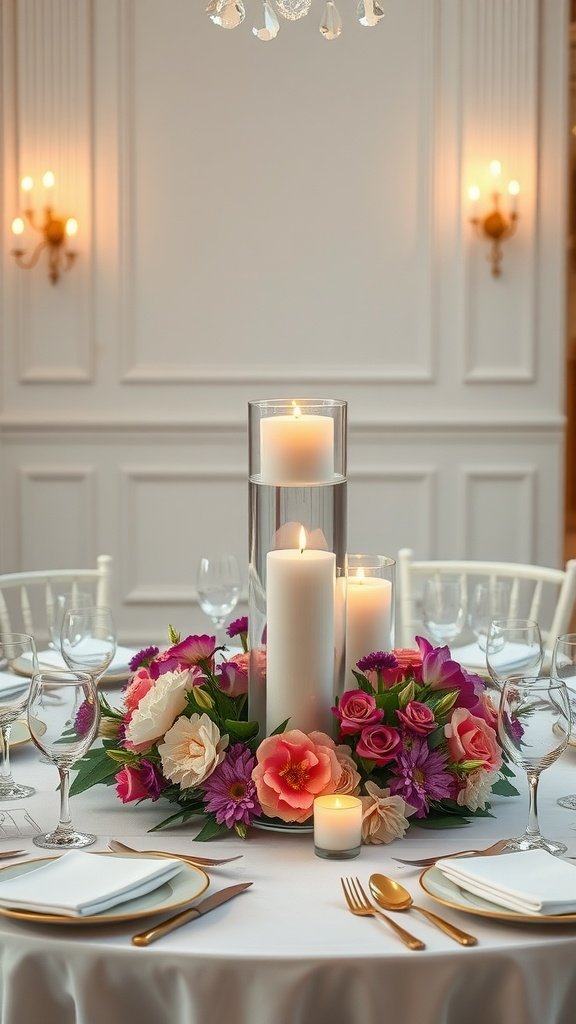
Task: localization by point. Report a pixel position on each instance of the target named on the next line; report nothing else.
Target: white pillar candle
(368, 620)
(300, 638)
(337, 823)
(296, 449)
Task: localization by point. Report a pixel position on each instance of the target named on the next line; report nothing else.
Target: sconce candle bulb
(54, 233)
(497, 225)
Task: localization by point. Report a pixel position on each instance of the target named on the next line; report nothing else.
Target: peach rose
(191, 750)
(292, 769)
(471, 739)
(137, 688)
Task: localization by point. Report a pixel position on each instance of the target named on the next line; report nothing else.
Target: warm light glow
(513, 188)
(495, 168)
(18, 226)
(27, 184)
(360, 574)
(296, 410)
(474, 193)
(71, 227)
(302, 539)
(48, 179)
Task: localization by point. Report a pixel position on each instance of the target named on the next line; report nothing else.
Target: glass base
(12, 791)
(537, 842)
(337, 854)
(64, 840)
(568, 801)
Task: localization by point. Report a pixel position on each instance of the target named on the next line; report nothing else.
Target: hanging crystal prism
(331, 24)
(293, 9)
(227, 13)
(369, 13)
(268, 26)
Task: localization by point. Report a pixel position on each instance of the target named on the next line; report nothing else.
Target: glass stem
(5, 772)
(532, 828)
(65, 823)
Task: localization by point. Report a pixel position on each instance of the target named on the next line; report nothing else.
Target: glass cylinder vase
(297, 559)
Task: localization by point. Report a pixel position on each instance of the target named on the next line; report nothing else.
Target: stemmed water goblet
(56, 609)
(533, 727)
(88, 639)
(63, 717)
(444, 607)
(18, 656)
(218, 588)
(563, 667)
(489, 601)
(513, 645)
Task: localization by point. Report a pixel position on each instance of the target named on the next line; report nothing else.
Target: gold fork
(118, 847)
(360, 905)
(425, 862)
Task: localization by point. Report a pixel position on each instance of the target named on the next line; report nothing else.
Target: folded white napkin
(119, 664)
(11, 685)
(79, 883)
(529, 882)
(511, 657)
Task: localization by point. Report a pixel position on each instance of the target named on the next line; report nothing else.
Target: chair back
(28, 597)
(537, 592)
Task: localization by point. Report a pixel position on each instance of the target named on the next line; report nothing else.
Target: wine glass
(63, 716)
(444, 607)
(88, 639)
(513, 645)
(534, 726)
(218, 587)
(564, 667)
(489, 601)
(14, 694)
(55, 613)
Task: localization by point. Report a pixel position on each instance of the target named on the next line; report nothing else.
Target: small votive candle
(337, 826)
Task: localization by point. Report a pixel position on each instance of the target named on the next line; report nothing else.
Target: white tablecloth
(288, 951)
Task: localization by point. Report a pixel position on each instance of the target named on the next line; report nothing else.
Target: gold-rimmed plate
(446, 892)
(19, 733)
(174, 894)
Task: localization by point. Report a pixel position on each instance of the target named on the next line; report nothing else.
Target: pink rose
(232, 675)
(292, 769)
(471, 739)
(485, 709)
(418, 718)
(129, 786)
(379, 743)
(137, 688)
(408, 658)
(356, 710)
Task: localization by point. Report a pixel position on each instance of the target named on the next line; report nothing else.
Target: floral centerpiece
(416, 739)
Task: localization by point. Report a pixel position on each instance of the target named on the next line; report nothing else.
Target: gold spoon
(390, 895)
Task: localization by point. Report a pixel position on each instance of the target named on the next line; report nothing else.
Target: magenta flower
(188, 653)
(379, 743)
(237, 627)
(152, 779)
(417, 718)
(229, 792)
(143, 658)
(439, 672)
(232, 676)
(421, 776)
(355, 711)
(377, 662)
(84, 718)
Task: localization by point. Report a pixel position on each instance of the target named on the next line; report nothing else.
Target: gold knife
(145, 938)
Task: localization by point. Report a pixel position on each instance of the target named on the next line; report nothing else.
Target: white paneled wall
(274, 220)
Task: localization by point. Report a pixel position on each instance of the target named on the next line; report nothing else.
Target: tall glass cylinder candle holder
(370, 595)
(297, 546)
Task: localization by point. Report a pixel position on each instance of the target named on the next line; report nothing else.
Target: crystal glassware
(534, 726)
(19, 661)
(55, 613)
(218, 588)
(444, 607)
(513, 645)
(563, 667)
(63, 717)
(88, 639)
(489, 601)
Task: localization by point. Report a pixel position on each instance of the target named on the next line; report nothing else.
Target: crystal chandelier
(231, 13)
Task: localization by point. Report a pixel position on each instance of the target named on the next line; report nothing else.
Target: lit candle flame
(18, 226)
(296, 410)
(513, 188)
(71, 227)
(495, 168)
(474, 193)
(27, 184)
(360, 574)
(48, 179)
(302, 539)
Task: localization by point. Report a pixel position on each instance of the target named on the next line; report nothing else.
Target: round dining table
(287, 950)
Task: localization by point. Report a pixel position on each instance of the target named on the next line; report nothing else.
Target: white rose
(159, 707)
(192, 749)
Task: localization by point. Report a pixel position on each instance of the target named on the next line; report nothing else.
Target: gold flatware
(118, 847)
(425, 862)
(390, 895)
(217, 898)
(359, 904)
(4, 854)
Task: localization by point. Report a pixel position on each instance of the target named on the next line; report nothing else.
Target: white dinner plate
(180, 890)
(118, 671)
(446, 892)
(471, 656)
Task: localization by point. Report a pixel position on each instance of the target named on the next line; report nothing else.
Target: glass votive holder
(337, 826)
(369, 609)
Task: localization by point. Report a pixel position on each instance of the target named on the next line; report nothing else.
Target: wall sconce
(496, 225)
(54, 233)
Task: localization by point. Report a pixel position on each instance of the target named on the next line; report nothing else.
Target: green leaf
(210, 830)
(183, 815)
(93, 768)
(173, 635)
(241, 730)
(440, 821)
(508, 772)
(280, 728)
(363, 683)
(504, 788)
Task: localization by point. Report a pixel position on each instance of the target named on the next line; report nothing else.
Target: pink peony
(379, 743)
(417, 718)
(356, 710)
(471, 739)
(292, 770)
(129, 785)
(137, 688)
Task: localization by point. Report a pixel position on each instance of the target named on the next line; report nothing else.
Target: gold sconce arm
(54, 231)
(496, 226)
